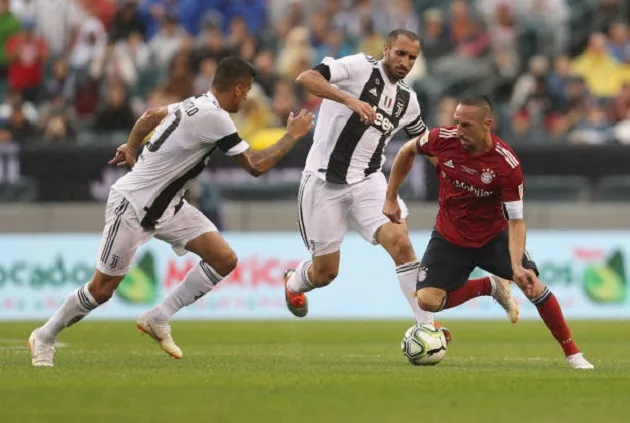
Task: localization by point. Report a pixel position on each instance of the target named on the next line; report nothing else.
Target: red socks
(551, 313)
(546, 303)
(474, 288)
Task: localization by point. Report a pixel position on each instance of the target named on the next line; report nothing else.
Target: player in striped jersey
(149, 202)
(365, 103)
(480, 222)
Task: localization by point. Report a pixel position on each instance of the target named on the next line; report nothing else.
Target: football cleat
(42, 353)
(161, 333)
(578, 362)
(502, 294)
(296, 303)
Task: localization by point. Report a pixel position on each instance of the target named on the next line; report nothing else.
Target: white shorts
(123, 234)
(325, 210)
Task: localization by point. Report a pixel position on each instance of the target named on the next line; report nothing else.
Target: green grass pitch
(314, 371)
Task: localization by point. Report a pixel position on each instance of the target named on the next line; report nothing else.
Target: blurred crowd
(83, 70)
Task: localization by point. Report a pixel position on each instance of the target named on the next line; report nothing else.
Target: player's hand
(298, 126)
(391, 209)
(363, 109)
(125, 156)
(526, 280)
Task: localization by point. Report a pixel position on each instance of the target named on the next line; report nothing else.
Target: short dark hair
(481, 101)
(230, 71)
(393, 35)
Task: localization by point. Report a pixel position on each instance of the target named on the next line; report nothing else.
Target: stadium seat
(557, 188)
(613, 188)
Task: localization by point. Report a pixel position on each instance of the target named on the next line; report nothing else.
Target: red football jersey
(474, 188)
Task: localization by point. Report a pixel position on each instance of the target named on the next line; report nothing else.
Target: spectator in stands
(56, 21)
(607, 12)
(18, 128)
(203, 81)
(445, 111)
(504, 43)
(180, 80)
(435, 40)
(295, 52)
(620, 105)
(255, 115)
(249, 49)
(126, 20)
(27, 53)
(88, 47)
(359, 26)
(372, 42)
(116, 114)
(401, 14)
(557, 82)
(318, 27)
(334, 46)
(58, 129)
(253, 13)
(9, 26)
(532, 84)
(238, 34)
(211, 44)
(619, 41)
(60, 87)
(168, 41)
(188, 12)
(595, 129)
(266, 75)
(11, 101)
(284, 101)
(600, 70)
(104, 10)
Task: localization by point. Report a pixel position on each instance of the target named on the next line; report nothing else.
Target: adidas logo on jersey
(449, 163)
(374, 92)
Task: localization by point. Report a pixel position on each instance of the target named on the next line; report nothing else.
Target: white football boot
(42, 353)
(503, 295)
(161, 333)
(577, 361)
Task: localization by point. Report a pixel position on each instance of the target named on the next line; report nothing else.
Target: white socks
(198, 282)
(299, 281)
(407, 278)
(76, 307)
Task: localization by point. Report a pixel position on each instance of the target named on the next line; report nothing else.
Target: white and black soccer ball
(424, 345)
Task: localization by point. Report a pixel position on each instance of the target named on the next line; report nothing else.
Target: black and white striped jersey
(344, 149)
(176, 153)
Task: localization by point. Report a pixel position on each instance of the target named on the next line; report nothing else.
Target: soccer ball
(424, 345)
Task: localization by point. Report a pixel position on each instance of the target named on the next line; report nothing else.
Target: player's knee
(323, 277)
(538, 290)
(227, 263)
(428, 302)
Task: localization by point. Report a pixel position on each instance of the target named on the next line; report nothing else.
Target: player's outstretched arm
(400, 169)
(315, 83)
(258, 162)
(126, 153)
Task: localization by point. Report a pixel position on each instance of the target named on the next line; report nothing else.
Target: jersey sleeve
(219, 128)
(417, 126)
(427, 143)
(172, 107)
(512, 194)
(349, 67)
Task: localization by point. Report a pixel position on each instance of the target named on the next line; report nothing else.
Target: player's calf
(551, 313)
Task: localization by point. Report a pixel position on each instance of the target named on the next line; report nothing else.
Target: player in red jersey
(479, 223)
